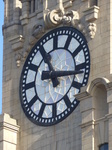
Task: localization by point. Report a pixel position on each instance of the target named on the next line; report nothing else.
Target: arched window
(104, 147)
(100, 102)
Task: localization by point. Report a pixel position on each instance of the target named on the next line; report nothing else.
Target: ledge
(84, 94)
(17, 42)
(89, 123)
(91, 14)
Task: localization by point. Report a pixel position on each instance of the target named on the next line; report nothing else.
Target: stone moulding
(24, 19)
(91, 14)
(89, 123)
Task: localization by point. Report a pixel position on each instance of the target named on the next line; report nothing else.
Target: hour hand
(47, 59)
(55, 74)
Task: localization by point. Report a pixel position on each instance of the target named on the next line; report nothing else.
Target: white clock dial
(55, 70)
(61, 60)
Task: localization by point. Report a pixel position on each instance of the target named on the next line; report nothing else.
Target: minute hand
(55, 74)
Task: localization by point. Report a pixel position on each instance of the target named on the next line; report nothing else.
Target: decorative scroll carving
(71, 17)
(59, 16)
(52, 18)
(56, 17)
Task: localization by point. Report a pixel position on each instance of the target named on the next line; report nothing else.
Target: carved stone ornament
(91, 15)
(20, 57)
(37, 30)
(56, 17)
(92, 29)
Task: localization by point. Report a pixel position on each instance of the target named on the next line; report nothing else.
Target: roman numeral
(54, 109)
(78, 49)
(30, 85)
(55, 43)
(80, 66)
(41, 110)
(68, 42)
(33, 67)
(67, 101)
(33, 100)
(76, 84)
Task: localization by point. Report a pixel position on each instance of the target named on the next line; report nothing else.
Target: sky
(1, 49)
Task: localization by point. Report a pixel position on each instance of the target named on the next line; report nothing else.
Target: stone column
(25, 7)
(6, 11)
(25, 11)
(17, 5)
(8, 132)
(87, 125)
(45, 4)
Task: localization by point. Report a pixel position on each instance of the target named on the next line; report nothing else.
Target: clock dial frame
(42, 103)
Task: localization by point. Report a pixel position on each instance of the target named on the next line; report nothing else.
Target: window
(104, 147)
(93, 2)
(35, 5)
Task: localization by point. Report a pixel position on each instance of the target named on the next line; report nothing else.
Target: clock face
(54, 71)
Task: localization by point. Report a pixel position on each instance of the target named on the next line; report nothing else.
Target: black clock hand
(55, 74)
(47, 58)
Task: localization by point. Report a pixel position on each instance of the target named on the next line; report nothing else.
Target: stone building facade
(90, 124)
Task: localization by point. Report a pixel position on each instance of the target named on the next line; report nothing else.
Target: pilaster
(87, 125)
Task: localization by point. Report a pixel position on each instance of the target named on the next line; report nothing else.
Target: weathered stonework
(87, 127)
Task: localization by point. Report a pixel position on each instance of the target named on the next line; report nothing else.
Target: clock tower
(57, 75)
